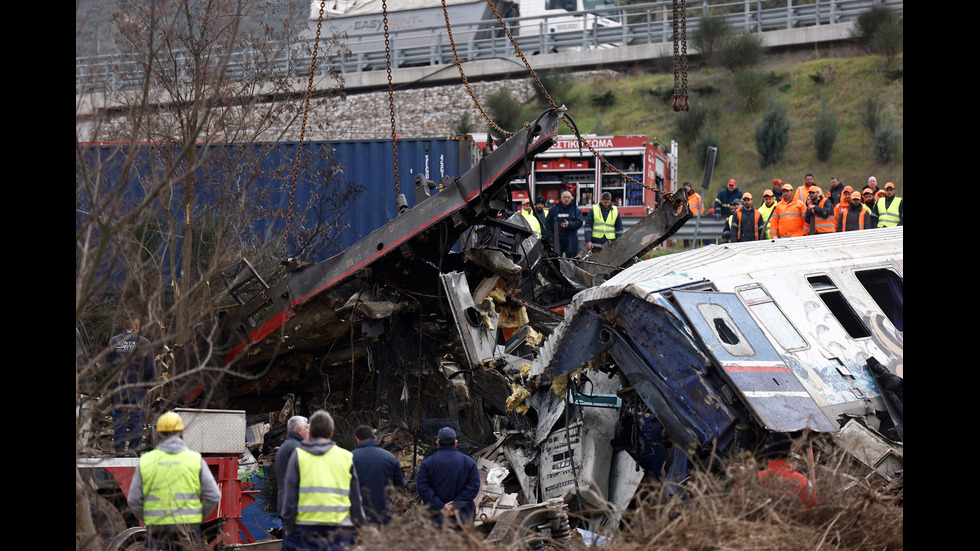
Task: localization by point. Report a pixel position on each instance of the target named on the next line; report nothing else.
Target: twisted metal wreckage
(571, 380)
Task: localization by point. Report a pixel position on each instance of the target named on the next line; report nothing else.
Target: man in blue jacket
(564, 219)
(448, 480)
(377, 469)
(725, 197)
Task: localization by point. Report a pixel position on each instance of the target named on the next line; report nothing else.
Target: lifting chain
(552, 102)
(519, 52)
(459, 65)
(391, 98)
(302, 134)
(680, 56)
(547, 96)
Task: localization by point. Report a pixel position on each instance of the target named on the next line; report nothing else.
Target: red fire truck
(646, 165)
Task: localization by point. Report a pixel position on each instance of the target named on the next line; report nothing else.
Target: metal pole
(709, 168)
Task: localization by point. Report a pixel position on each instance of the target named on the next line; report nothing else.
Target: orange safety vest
(820, 225)
(694, 201)
(843, 219)
(803, 193)
(787, 219)
(736, 233)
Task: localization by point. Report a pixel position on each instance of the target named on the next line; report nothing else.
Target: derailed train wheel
(130, 539)
(106, 518)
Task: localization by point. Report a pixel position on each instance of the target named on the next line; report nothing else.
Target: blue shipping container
(263, 174)
(371, 163)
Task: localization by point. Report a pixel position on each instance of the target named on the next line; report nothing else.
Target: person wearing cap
(819, 215)
(787, 219)
(747, 223)
(541, 214)
(379, 471)
(889, 209)
(322, 492)
(777, 189)
(803, 192)
(727, 236)
(131, 359)
(766, 209)
(694, 200)
(845, 201)
(448, 481)
(532, 220)
(172, 490)
(603, 224)
(726, 197)
(854, 215)
(868, 199)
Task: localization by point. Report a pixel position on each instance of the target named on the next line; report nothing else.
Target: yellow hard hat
(170, 422)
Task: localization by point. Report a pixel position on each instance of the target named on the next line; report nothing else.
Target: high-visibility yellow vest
(604, 228)
(766, 213)
(171, 488)
(889, 216)
(532, 221)
(324, 486)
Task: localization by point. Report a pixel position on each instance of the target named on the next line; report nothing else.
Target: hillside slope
(641, 104)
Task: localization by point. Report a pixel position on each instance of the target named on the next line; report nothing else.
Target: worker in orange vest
(803, 192)
(694, 200)
(747, 222)
(819, 216)
(855, 216)
(787, 219)
(845, 201)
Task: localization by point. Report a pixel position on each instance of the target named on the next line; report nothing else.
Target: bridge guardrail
(642, 24)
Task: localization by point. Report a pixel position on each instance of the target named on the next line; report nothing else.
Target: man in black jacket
(297, 430)
(133, 364)
(565, 219)
(747, 223)
(377, 469)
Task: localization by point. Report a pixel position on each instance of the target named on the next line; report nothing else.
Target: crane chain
(391, 99)
(466, 83)
(552, 102)
(680, 100)
(302, 135)
(519, 53)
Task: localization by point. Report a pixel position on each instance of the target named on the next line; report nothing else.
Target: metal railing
(639, 24)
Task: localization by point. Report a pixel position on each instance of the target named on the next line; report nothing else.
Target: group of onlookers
(806, 210)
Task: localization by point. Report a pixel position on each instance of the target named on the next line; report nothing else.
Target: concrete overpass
(98, 103)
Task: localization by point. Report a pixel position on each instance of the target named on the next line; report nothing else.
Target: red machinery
(215, 433)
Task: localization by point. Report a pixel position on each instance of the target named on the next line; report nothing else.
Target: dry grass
(718, 512)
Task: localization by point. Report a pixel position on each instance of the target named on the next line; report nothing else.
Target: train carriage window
(886, 288)
(725, 329)
(770, 316)
(838, 305)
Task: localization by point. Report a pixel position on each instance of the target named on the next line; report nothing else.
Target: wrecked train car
(716, 349)
(367, 308)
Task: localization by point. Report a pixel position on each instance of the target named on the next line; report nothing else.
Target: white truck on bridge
(414, 23)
